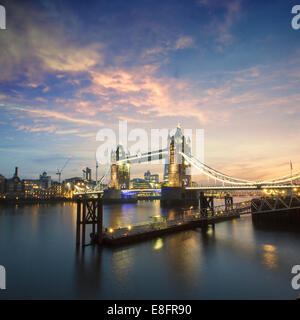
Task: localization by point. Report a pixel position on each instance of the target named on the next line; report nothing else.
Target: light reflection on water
(232, 260)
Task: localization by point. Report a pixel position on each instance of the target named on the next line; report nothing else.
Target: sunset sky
(70, 68)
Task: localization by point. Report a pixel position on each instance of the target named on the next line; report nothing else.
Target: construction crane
(97, 171)
(59, 172)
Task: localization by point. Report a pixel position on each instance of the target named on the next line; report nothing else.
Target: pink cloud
(184, 42)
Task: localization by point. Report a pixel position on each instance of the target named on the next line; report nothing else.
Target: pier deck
(138, 232)
(190, 219)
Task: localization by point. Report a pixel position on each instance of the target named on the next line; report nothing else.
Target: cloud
(184, 42)
(53, 129)
(134, 120)
(120, 90)
(55, 53)
(41, 45)
(222, 23)
(43, 113)
(48, 129)
(41, 99)
(86, 135)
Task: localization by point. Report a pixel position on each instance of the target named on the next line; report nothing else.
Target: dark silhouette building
(14, 186)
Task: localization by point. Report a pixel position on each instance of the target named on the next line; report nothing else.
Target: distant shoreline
(13, 202)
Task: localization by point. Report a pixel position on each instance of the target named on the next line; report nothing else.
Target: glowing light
(158, 244)
(111, 230)
(269, 248)
(129, 227)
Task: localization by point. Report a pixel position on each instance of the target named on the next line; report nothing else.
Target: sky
(71, 68)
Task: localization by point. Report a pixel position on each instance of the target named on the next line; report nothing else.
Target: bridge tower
(178, 174)
(120, 173)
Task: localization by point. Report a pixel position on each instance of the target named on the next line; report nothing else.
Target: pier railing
(225, 210)
(187, 217)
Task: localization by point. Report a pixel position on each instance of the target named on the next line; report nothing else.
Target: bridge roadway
(208, 188)
(246, 187)
(145, 157)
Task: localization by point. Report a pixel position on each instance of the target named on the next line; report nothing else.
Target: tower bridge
(179, 190)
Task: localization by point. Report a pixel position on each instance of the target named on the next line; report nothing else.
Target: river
(233, 261)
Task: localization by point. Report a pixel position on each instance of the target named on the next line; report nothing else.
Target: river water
(233, 261)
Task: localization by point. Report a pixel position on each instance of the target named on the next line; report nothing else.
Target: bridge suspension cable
(228, 179)
(214, 173)
(100, 182)
(283, 179)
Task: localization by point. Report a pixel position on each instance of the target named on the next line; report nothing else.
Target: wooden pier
(152, 229)
(90, 212)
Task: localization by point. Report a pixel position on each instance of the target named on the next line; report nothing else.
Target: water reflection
(88, 264)
(159, 243)
(122, 215)
(122, 261)
(270, 256)
(231, 260)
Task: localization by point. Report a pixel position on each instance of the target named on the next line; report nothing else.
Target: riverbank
(13, 202)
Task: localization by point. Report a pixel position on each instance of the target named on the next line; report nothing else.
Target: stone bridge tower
(120, 173)
(179, 175)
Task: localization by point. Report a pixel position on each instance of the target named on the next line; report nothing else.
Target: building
(88, 174)
(57, 190)
(2, 184)
(34, 187)
(139, 184)
(147, 175)
(45, 180)
(30, 187)
(14, 186)
(153, 179)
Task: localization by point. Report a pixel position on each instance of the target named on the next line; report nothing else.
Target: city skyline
(230, 68)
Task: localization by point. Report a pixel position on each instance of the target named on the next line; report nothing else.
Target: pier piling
(89, 212)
